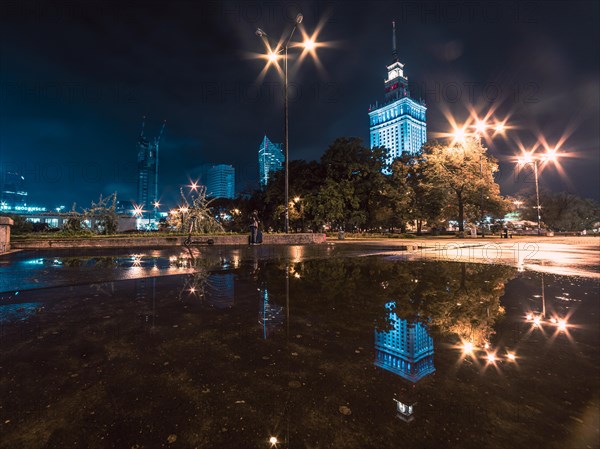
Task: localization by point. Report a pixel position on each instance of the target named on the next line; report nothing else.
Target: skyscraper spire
(394, 52)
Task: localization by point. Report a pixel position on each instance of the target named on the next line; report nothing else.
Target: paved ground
(578, 256)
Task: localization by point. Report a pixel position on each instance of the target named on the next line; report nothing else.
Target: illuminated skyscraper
(399, 124)
(406, 350)
(148, 169)
(219, 180)
(270, 159)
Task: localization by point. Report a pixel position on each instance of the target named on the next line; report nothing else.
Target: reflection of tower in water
(220, 290)
(145, 289)
(270, 316)
(405, 350)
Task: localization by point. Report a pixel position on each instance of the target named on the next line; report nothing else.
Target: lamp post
(273, 56)
(529, 159)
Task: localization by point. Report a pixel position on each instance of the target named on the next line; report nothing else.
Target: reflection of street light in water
(467, 347)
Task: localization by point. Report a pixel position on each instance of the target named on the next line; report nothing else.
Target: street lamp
(530, 159)
(309, 44)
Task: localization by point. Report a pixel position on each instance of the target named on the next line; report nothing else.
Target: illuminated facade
(219, 180)
(406, 350)
(399, 124)
(270, 159)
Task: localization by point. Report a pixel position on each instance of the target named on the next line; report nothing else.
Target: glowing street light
(480, 126)
(562, 325)
(273, 441)
(309, 44)
(511, 356)
(531, 159)
(281, 51)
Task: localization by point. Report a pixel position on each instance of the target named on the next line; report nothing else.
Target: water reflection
(185, 355)
(406, 350)
(270, 315)
(220, 291)
(11, 313)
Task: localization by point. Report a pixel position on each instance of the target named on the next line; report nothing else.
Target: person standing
(254, 223)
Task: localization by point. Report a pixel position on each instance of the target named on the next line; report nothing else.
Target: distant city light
(273, 441)
(511, 356)
(491, 357)
(467, 347)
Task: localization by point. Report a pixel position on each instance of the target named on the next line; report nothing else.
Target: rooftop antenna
(143, 124)
(394, 52)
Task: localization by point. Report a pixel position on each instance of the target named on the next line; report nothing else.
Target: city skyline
(75, 121)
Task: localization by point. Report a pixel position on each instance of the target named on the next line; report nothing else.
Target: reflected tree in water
(449, 298)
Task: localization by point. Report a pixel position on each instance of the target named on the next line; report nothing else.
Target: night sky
(77, 77)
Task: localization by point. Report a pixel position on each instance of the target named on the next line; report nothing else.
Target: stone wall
(5, 224)
(151, 242)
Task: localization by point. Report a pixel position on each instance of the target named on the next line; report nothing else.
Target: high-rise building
(406, 350)
(399, 124)
(148, 169)
(219, 180)
(13, 195)
(270, 159)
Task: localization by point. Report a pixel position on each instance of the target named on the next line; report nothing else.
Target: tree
(563, 211)
(103, 215)
(73, 221)
(359, 170)
(195, 216)
(413, 193)
(467, 172)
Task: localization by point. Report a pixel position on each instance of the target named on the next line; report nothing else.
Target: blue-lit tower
(406, 350)
(219, 180)
(147, 195)
(399, 124)
(270, 159)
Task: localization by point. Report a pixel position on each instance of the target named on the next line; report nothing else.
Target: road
(575, 256)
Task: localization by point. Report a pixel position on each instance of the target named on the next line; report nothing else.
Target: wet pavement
(314, 346)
